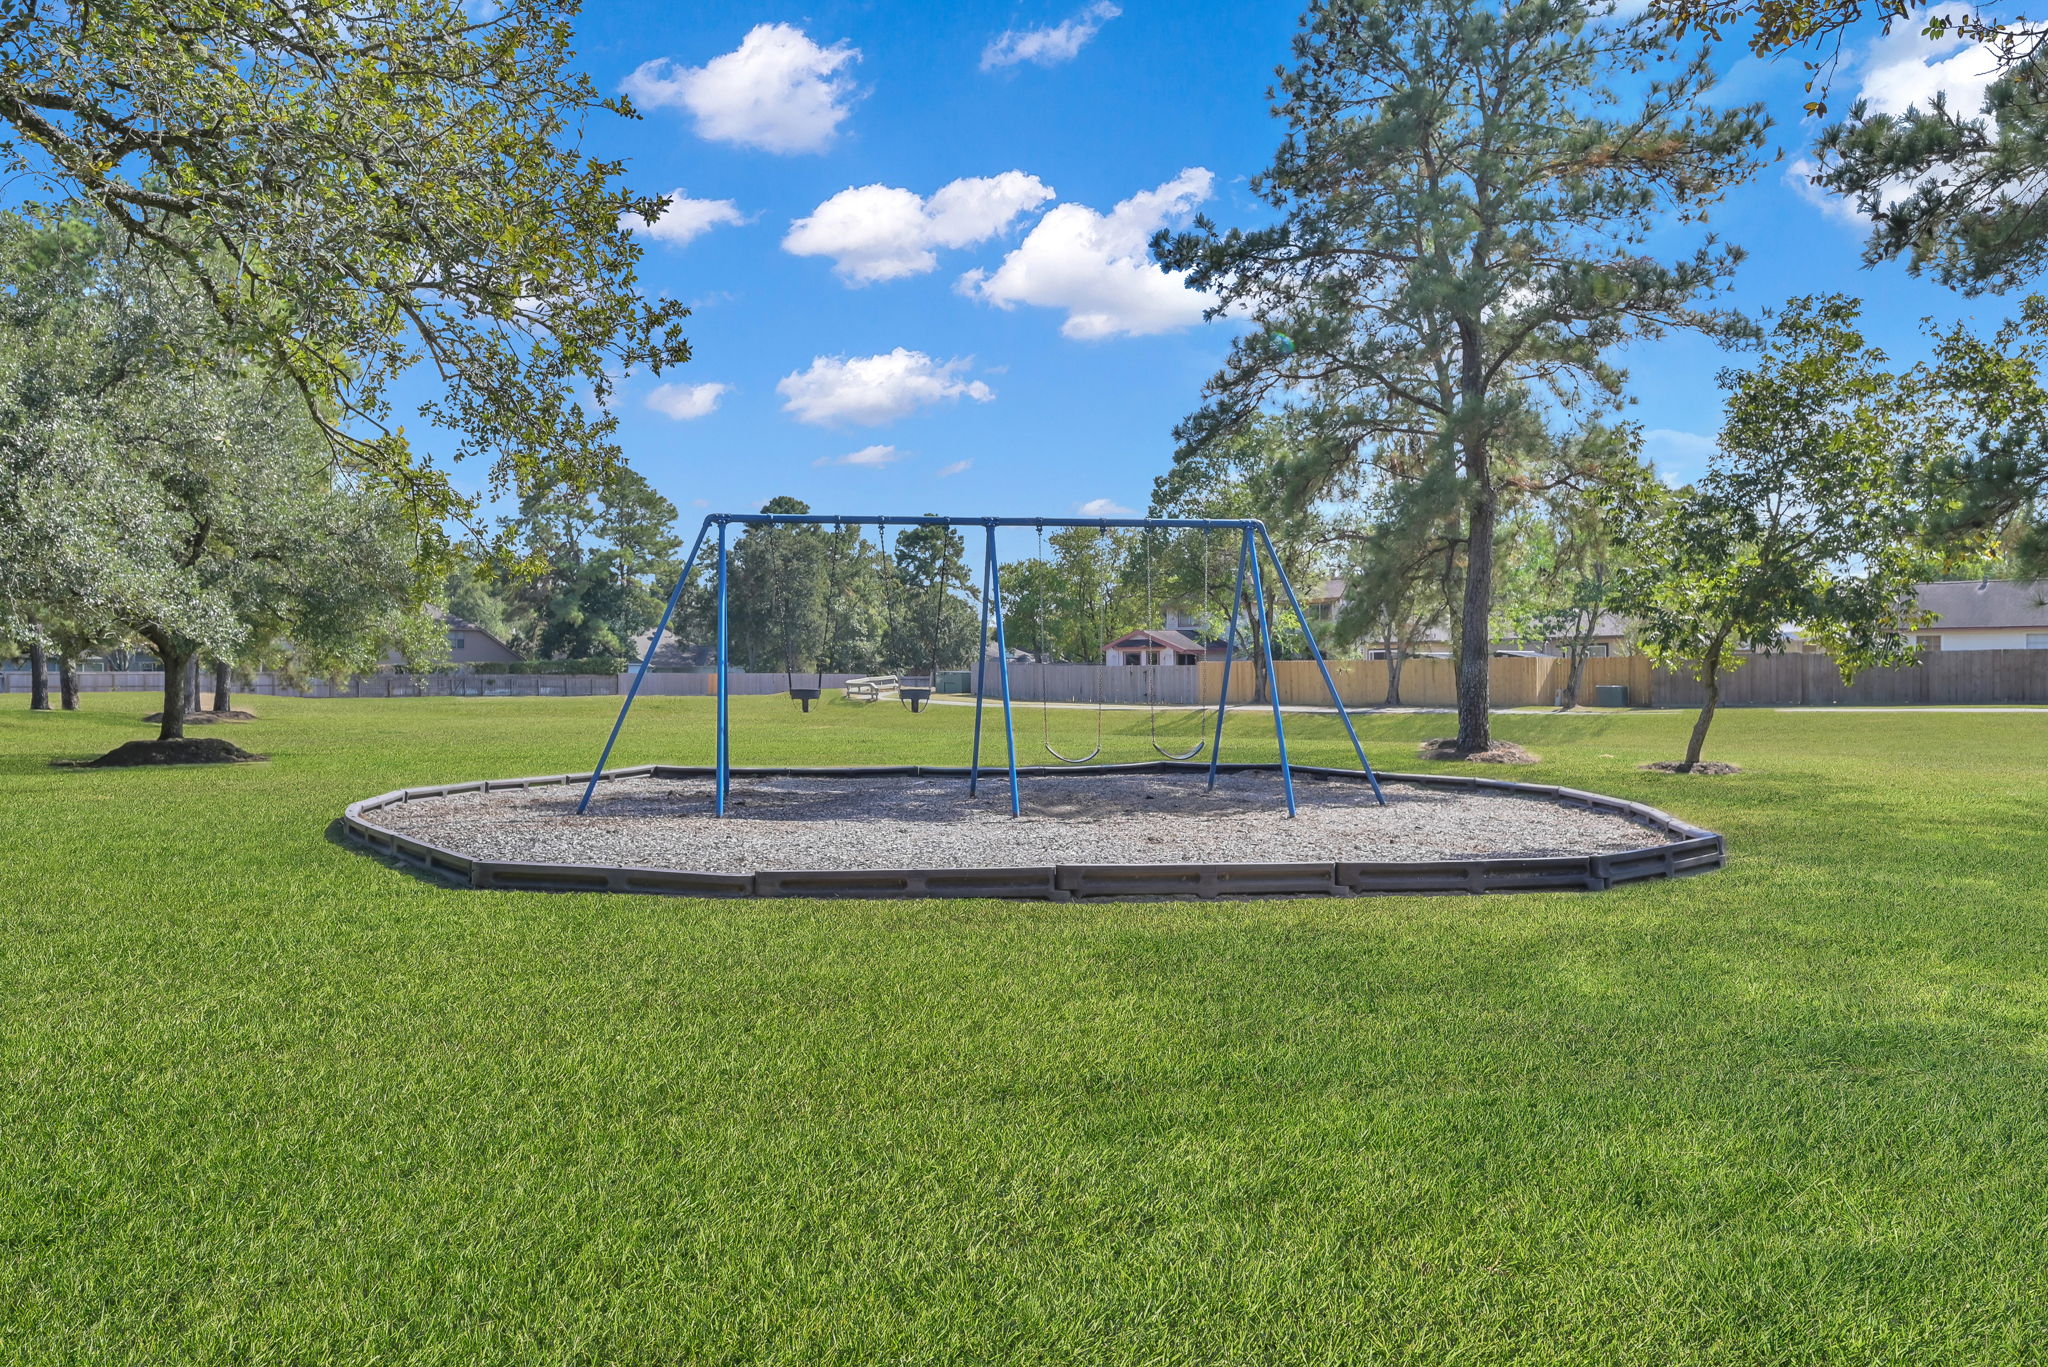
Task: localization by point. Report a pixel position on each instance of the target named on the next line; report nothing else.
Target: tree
(596, 569)
(1400, 579)
(931, 625)
(1245, 472)
(1986, 496)
(1464, 205)
(38, 669)
(856, 603)
(390, 182)
(1777, 26)
(1957, 193)
(779, 608)
(153, 486)
(480, 592)
(1808, 514)
(1571, 554)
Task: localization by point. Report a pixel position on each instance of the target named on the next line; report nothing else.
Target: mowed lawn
(264, 1099)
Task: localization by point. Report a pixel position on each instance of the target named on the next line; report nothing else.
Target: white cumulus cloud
(878, 232)
(868, 457)
(1679, 457)
(1098, 268)
(1903, 69)
(685, 401)
(1102, 507)
(778, 90)
(956, 468)
(1051, 45)
(1896, 72)
(870, 390)
(685, 219)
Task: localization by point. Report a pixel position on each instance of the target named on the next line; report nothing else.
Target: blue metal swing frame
(1253, 547)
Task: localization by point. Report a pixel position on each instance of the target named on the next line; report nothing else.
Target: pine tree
(1464, 205)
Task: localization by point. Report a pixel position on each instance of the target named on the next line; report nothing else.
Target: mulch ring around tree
(186, 750)
(1499, 752)
(1679, 766)
(205, 718)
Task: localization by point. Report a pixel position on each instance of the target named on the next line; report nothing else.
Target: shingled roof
(1987, 604)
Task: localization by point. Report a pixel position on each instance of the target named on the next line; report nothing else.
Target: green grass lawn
(266, 1100)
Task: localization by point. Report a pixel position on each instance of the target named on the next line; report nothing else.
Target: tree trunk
(67, 682)
(1393, 653)
(1475, 653)
(38, 679)
(1256, 656)
(176, 696)
(222, 686)
(1568, 696)
(1710, 675)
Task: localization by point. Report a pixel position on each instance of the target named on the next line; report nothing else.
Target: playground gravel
(929, 822)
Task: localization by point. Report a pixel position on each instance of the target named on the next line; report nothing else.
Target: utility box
(1610, 695)
(956, 681)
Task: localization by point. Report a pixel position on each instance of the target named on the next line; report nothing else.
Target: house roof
(454, 623)
(1172, 640)
(1981, 604)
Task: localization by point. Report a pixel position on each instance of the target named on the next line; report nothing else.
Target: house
(1984, 614)
(468, 644)
(1146, 646)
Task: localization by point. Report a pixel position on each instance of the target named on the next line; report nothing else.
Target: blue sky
(997, 347)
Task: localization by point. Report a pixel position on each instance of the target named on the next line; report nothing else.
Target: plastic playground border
(1690, 851)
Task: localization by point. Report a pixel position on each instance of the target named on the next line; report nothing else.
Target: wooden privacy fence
(1951, 678)
(362, 686)
(1169, 685)
(1431, 682)
(1942, 678)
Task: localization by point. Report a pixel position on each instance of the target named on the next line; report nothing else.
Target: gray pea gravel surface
(910, 822)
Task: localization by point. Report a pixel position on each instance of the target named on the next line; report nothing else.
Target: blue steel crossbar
(1254, 539)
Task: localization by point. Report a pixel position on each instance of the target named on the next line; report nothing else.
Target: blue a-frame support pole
(724, 730)
(1316, 652)
(988, 560)
(1254, 538)
(992, 602)
(640, 674)
(1244, 549)
(1272, 680)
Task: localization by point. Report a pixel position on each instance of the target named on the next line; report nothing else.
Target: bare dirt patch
(1679, 766)
(188, 750)
(1500, 752)
(205, 718)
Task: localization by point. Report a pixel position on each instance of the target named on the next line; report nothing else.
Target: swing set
(1254, 547)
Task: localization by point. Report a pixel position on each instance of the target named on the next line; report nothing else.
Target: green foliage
(389, 182)
(934, 622)
(597, 567)
(1777, 26)
(1068, 605)
(1247, 472)
(1958, 193)
(474, 592)
(152, 486)
(780, 575)
(1808, 515)
(1465, 204)
(1986, 497)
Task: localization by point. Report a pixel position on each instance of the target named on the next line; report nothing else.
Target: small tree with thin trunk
(1806, 517)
